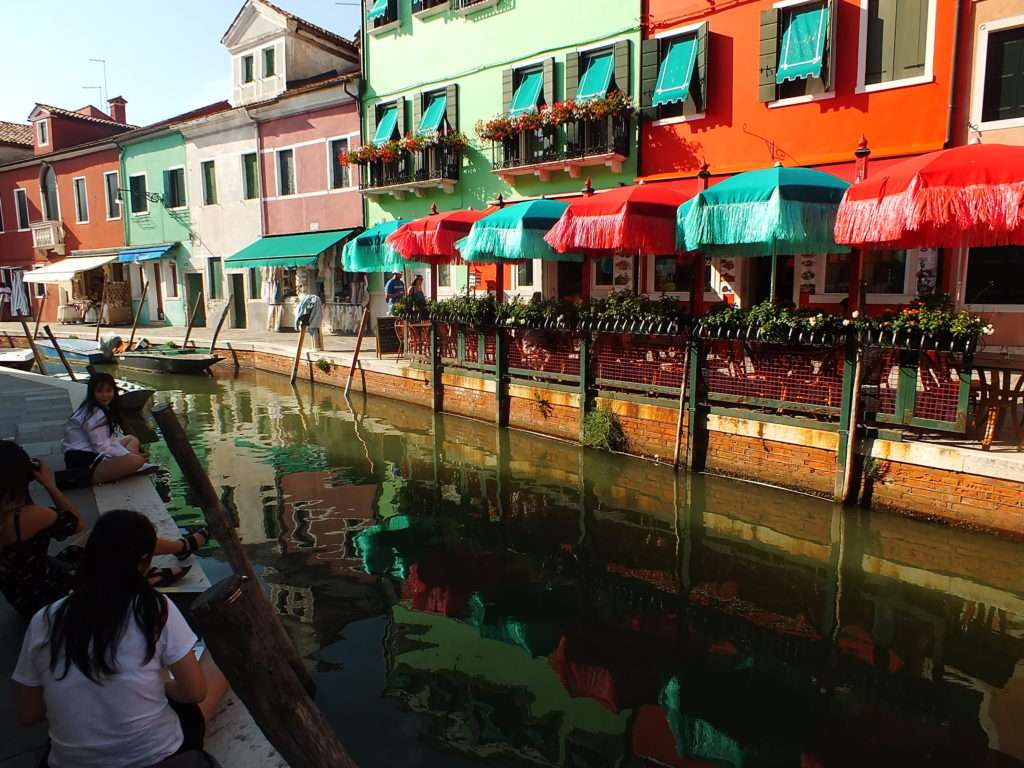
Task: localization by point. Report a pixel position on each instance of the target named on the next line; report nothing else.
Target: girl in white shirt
(93, 664)
(94, 439)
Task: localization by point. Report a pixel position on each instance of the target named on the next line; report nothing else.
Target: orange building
(742, 84)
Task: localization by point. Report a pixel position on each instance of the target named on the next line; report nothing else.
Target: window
(838, 272)
(21, 208)
(40, 290)
(1003, 97)
(48, 193)
(268, 62)
(255, 283)
(680, 86)
(285, 172)
(216, 278)
(796, 51)
(597, 68)
(444, 276)
(247, 69)
(987, 271)
(138, 203)
(42, 133)
(250, 176)
(81, 200)
(435, 106)
(603, 272)
(885, 271)
(172, 279)
(897, 40)
(174, 188)
(111, 184)
(339, 173)
(387, 124)
(524, 274)
(671, 275)
(209, 182)
(529, 88)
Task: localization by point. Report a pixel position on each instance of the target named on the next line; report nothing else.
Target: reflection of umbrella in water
(515, 625)
(443, 581)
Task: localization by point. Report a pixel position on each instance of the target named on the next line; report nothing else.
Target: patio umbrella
(516, 233)
(635, 218)
(771, 212)
(370, 252)
(433, 238)
(970, 195)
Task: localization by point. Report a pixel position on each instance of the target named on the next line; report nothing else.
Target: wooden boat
(76, 351)
(168, 359)
(134, 398)
(21, 359)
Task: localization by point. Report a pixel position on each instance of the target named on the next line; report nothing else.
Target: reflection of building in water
(293, 602)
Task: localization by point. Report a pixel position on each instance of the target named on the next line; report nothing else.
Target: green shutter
(507, 88)
(623, 80)
(433, 116)
(418, 101)
(527, 94)
(700, 98)
(572, 74)
(769, 53)
(371, 120)
(881, 41)
(911, 46)
(597, 77)
(400, 116)
(549, 81)
(650, 63)
(676, 71)
(828, 56)
(452, 106)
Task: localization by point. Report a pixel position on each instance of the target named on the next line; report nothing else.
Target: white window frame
(978, 75)
(295, 171)
(184, 187)
(117, 194)
(906, 82)
(681, 31)
(808, 98)
(17, 210)
(78, 198)
(538, 277)
(145, 197)
(259, 177)
(263, 61)
(601, 290)
(241, 69)
(909, 282)
(330, 163)
(650, 290)
(202, 182)
(43, 133)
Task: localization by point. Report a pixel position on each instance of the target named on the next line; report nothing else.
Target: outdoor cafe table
(1000, 391)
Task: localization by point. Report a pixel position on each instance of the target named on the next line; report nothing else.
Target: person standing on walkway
(416, 289)
(394, 290)
(272, 297)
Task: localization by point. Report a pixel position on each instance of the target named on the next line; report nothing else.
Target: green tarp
(527, 94)
(676, 72)
(387, 125)
(434, 113)
(378, 10)
(287, 251)
(803, 44)
(596, 80)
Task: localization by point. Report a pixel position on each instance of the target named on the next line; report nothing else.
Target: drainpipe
(959, 257)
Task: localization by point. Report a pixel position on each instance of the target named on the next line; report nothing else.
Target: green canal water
(469, 596)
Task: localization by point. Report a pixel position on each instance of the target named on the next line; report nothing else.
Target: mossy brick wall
(797, 467)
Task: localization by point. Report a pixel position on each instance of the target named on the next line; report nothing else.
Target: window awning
(676, 72)
(144, 253)
(378, 10)
(596, 80)
(286, 251)
(434, 113)
(387, 125)
(66, 269)
(527, 94)
(803, 44)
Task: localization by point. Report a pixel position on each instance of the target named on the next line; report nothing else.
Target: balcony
(570, 147)
(435, 167)
(463, 7)
(426, 8)
(48, 236)
(390, 20)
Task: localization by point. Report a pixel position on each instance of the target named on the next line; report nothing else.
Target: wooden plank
(39, 317)
(32, 345)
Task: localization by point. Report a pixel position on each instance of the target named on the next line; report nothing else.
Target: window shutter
(769, 54)
(831, 42)
(703, 46)
(400, 103)
(572, 74)
(650, 63)
(417, 111)
(549, 81)
(622, 69)
(506, 90)
(881, 43)
(452, 106)
(417, 6)
(371, 122)
(910, 45)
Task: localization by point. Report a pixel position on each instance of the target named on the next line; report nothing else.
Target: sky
(163, 56)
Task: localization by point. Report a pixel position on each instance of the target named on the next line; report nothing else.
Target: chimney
(116, 110)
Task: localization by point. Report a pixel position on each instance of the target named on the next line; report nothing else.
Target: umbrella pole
(774, 279)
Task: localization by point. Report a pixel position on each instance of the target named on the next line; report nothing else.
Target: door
(194, 295)
(570, 280)
(238, 299)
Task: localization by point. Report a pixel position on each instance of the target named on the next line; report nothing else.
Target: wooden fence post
(584, 392)
(682, 405)
(501, 398)
(435, 368)
(848, 416)
(697, 411)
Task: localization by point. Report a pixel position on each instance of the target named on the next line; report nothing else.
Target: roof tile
(15, 133)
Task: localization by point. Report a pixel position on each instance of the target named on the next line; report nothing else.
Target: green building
(449, 65)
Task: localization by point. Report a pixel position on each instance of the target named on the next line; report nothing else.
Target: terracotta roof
(303, 24)
(184, 117)
(15, 133)
(79, 116)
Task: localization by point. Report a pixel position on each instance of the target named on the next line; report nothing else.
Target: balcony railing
(48, 236)
(388, 21)
(569, 147)
(429, 7)
(435, 167)
(472, 6)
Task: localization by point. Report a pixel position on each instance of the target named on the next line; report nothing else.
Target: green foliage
(602, 430)
(411, 308)
(323, 364)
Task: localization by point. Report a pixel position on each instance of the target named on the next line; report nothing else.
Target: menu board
(623, 278)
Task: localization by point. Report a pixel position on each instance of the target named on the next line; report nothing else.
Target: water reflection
(472, 596)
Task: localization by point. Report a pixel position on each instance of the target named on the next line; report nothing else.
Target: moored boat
(168, 359)
(76, 351)
(20, 359)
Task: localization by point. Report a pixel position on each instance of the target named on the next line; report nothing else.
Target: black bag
(73, 479)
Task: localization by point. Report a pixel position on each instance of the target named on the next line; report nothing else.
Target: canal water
(470, 596)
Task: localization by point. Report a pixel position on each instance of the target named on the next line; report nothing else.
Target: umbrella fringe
(508, 244)
(425, 246)
(623, 231)
(792, 226)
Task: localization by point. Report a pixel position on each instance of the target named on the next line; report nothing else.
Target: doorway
(194, 295)
(238, 299)
(157, 285)
(761, 278)
(570, 280)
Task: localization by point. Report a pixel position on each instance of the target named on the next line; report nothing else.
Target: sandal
(191, 545)
(166, 577)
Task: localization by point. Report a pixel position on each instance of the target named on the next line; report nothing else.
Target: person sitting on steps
(94, 438)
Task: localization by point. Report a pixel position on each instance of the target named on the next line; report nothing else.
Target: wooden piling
(99, 319)
(682, 406)
(298, 355)
(191, 321)
(33, 347)
(135, 319)
(60, 352)
(359, 345)
(39, 317)
(220, 324)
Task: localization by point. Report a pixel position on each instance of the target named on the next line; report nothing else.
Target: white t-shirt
(124, 723)
(91, 431)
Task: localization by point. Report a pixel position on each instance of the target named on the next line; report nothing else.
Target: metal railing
(575, 140)
(439, 162)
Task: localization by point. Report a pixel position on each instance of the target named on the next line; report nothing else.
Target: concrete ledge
(964, 461)
(777, 433)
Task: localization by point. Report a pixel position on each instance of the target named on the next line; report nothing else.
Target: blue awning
(676, 72)
(527, 94)
(386, 127)
(378, 10)
(433, 115)
(144, 253)
(803, 44)
(597, 79)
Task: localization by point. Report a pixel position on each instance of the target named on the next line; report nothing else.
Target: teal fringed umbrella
(516, 233)
(772, 212)
(370, 252)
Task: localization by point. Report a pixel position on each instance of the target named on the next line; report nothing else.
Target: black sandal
(192, 545)
(166, 577)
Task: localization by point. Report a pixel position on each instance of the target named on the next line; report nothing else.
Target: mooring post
(501, 398)
(584, 391)
(435, 368)
(846, 448)
(39, 317)
(60, 352)
(696, 426)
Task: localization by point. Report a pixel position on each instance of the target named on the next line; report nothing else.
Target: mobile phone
(36, 465)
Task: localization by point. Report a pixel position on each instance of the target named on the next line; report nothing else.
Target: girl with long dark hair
(95, 664)
(29, 577)
(94, 437)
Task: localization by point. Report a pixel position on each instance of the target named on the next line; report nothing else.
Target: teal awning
(528, 93)
(286, 251)
(144, 253)
(378, 10)
(676, 72)
(434, 113)
(597, 79)
(387, 125)
(803, 44)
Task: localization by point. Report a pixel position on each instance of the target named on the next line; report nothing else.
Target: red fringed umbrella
(970, 195)
(638, 218)
(432, 239)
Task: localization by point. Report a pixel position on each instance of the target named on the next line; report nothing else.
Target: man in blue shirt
(393, 291)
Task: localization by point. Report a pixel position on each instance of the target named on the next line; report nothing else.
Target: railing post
(435, 368)
(906, 390)
(696, 428)
(964, 396)
(845, 417)
(501, 399)
(584, 393)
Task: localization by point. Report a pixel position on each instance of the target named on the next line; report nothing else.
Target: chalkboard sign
(388, 342)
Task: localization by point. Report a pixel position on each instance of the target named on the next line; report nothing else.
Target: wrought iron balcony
(429, 7)
(569, 147)
(48, 236)
(472, 6)
(435, 167)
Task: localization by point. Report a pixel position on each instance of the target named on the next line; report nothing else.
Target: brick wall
(797, 467)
